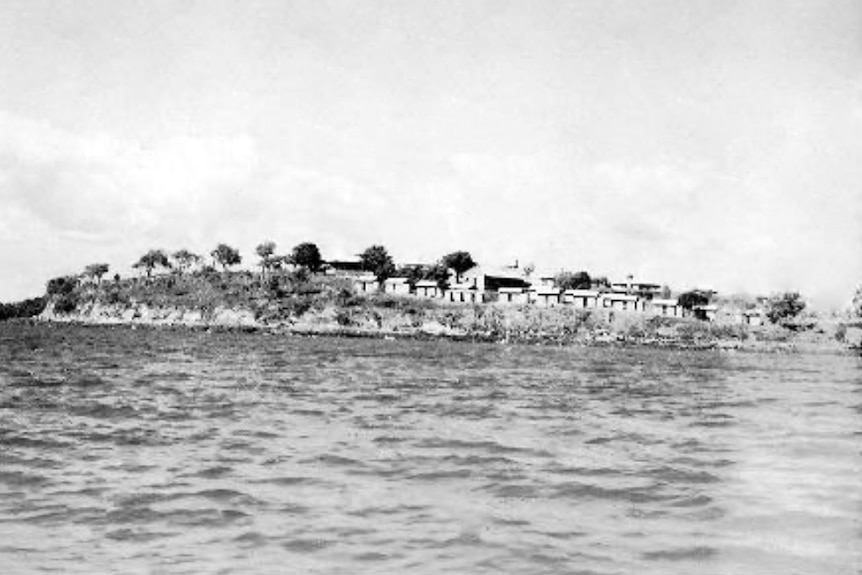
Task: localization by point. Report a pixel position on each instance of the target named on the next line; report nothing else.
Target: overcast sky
(696, 143)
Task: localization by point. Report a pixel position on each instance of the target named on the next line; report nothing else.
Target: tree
(665, 292)
(307, 255)
(152, 259)
(784, 306)
(96, 271)
(529, 269)
(856, 305)
(61, 285)
(692, 299)
(569, 280)
(265, 251)
(460, 261)
(377, 260)
(226, 256)
(185, 259)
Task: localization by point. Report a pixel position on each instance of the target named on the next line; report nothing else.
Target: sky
(713, 144)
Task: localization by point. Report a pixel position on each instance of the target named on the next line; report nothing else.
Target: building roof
(496, 272)
(706, 307)
(658, 301)
(581, 293)
(427, 283)
(619, 297)
(545, 290)
(396, 280)
(511, 290)
(365, 278)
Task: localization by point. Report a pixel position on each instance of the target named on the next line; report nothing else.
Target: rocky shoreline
(552, 326)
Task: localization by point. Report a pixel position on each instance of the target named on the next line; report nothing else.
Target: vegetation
(378, 261)
(307, 255)
(151, 260)
(226, 256)
(782, 307)
(577, 280)
(856, 304)
(459, 261)
(26, 308)
(185, 259)
(266, 253)
(96, 271)
(691, 299)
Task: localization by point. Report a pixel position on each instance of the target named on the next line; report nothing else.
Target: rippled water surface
(181, 452)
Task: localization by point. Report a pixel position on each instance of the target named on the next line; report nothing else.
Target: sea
(176, 451)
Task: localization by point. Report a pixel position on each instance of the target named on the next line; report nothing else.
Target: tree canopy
(96, 271)
(226, 256)
(459, 261)
(784, 306)
(692, 299)
(307, 255)
(576, 280)
(151, 260)
(185, 259)
(377, 260)
(856, 305)
(265, 252)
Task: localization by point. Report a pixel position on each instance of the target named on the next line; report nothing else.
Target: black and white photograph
(343, 287)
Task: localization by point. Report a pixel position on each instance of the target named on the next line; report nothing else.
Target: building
(428, 288)
(544, 296)
(365, 284)
(489, 279)
(512, 295)
(705, 312)
(666, 307)
(621, 302)
(643, 290)
(581, 298)
(344, 268)
(458, 294)
(753, 317)
(396, 286)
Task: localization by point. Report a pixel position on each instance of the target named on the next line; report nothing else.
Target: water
(178, 452)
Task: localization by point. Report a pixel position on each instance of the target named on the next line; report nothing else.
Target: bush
(783, 307)
(66, 303)
(62, 285)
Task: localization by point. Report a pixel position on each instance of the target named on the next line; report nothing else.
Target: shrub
(783, 307)
(66, 303)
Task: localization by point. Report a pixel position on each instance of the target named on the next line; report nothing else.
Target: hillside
(301, 303)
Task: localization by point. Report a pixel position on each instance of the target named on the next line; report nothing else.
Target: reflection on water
(153, 451)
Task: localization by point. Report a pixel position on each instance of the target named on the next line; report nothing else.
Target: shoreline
(440, 333)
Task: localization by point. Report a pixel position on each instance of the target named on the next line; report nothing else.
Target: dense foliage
(96, 271)
(378, 261)
(693, 298)
(307, 255)
(577, 280)
(151, 260)
(459, 261)
(26, 308)
(784, 306)
(226, 256)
